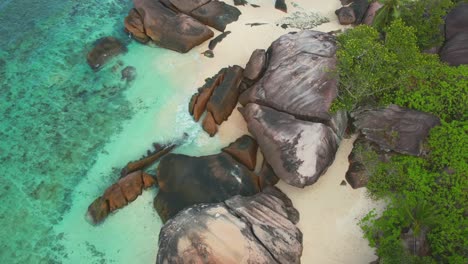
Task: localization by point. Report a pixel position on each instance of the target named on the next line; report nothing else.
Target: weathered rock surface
(118, 195)
(216, 14)
(395, 128)
(244, 150)
(299, 78)
(185, 181)
(455, 49)
(224, 98)
(204, 94)
(360, 7)
(371, 12)
(298, 151)
(257, 229)
(346, 15)
(209, 124)
(168, 29)
(456, 21)
(281, 5)
(188, 6)
(267, 176)
(256, 65)
(104, 49)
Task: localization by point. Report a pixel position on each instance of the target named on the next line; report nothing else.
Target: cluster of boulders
(455, 49)
(176, 24)
(357, 12)
(255, 229)
(385, 131)
(218, 96)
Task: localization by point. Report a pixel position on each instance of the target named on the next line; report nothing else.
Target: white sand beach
(329, 212)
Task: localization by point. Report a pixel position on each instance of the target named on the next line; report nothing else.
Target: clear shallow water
(65, 132)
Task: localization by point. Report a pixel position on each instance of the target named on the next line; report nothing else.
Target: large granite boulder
(104, 49)
(185, 181)
(216, 14)
(244, 150)
(200, 99)
(455, 49)
(456, 21)
(257, 229)
(371, 12)
(395, 128)
(186, 7)
(133, 24)
(168, 29)
(346, 15)
(299, 78)
(298, 151)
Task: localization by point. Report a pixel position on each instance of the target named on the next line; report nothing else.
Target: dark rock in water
(187, 7)
(225, 96)
(455, 50)
(371, 12)
(256, 65)
(267, 176)
(104, 49)
(456, 21)
(281, 5)
(208, 54)
(134, 25)
(118, 195)
(244, 150)
(168, 29)
(394, 128)
(192, 103)
(241, 230)
(128, 73)
(346, 15)
(185, 181)
(216, 14)
(298, 151)
(204, 94)
(299, 78)
(240, 2)
(254, 5)
(217, 40)
(146, 161)
(209, 124)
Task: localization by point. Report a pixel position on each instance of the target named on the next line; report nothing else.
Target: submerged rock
(185, 181)
(257, 229)
(244, 150)
(148, 160)
(128, 73)
(118, 195)
(298, 151)
(104, 49)
(395, 128)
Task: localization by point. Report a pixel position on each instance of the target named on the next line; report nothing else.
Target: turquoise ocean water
(65, 131)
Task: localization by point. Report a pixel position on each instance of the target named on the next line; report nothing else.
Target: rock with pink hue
(371, 12)
(395, 128)
(200, 99)
(241, 230)
(298, 151)
(209, 124)
(299, 79)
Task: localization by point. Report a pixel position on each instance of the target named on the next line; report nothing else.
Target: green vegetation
(427, 196)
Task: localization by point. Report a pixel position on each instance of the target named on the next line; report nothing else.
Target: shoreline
(150, 125)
